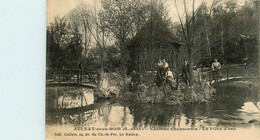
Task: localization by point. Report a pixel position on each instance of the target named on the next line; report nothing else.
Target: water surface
(233, 106)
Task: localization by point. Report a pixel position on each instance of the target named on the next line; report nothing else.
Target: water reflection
(250, 107)
(250, 113)
(228, 108)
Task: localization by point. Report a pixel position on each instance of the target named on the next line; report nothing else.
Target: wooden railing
(224, 73)
(72, 76)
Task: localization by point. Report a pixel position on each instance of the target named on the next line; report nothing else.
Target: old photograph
(139, 69)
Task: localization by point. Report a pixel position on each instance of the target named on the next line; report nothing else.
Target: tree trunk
(207, 38)
(222, 39)
(190, 66)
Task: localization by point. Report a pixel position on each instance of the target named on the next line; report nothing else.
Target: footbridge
(231, 72)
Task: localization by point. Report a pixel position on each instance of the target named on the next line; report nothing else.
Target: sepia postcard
(153, 69)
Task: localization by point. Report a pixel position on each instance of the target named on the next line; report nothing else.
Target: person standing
(159, 75)
(136, 80)
(215, 66)
(185, 72)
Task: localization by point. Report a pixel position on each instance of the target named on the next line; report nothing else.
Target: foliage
(111, 59)
(63, 46)
(227, 32)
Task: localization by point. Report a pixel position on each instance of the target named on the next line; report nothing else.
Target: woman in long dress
(159, 75)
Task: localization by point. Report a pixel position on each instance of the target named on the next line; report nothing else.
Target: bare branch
(182, 26)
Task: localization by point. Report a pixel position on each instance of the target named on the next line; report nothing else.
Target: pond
(234, 105)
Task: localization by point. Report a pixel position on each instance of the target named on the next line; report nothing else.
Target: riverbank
(69, 97)
(114, 84)
(166, 95)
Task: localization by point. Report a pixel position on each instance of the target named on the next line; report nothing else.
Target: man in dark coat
(185, 72)
(135, 80)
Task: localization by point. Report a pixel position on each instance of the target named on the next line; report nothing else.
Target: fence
(72, 76)
(225, 73)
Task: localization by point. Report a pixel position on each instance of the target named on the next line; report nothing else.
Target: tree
(63, 46)
(188, 32)
(122, 19)
(229, 23)
(81, 20)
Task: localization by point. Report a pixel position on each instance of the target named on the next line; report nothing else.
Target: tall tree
(188, 32)
(81, 20)
(121, 20)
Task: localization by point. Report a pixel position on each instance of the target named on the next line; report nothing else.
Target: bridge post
(227, 73)
(81, 99)
(80, 76)
(59, 80)
(99, 80)
(77, 71)
(245, 69)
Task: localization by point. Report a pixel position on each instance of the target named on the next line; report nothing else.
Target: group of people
(166, 76)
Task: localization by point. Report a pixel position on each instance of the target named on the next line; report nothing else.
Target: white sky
(61, 7)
